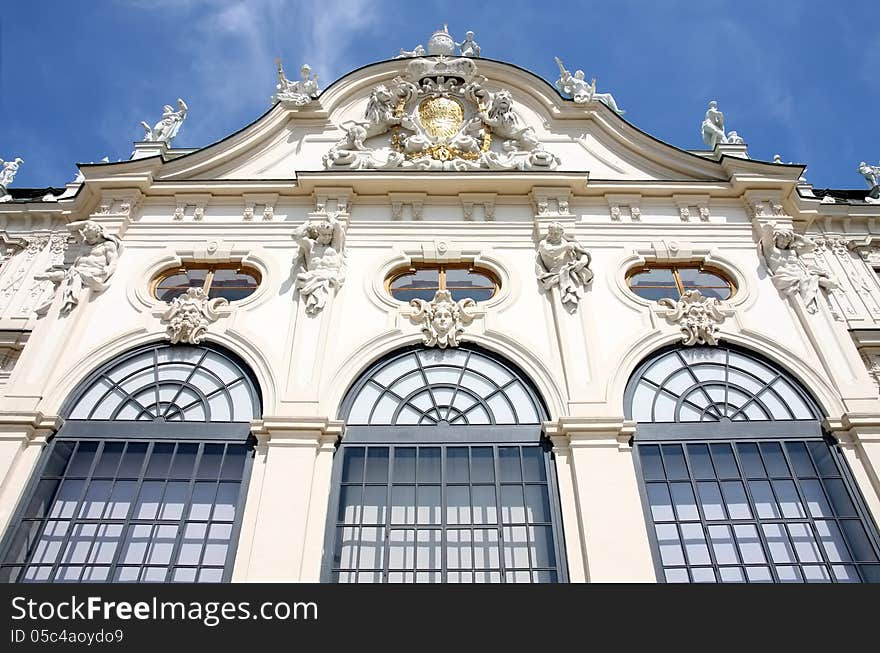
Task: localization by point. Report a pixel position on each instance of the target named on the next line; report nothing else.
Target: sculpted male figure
(91, 270)
(320, 260)
(562, 261)
(783, 250)
(713, 126)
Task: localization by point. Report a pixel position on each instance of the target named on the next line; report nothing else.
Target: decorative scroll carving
(697, 316)
(319, 259)
(442, 319)
(190, 315)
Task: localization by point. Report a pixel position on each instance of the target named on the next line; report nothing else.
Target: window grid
(482, 291)
(153, 534)
(803, 536)
(724, 289)
(243, 283)
(470, 549)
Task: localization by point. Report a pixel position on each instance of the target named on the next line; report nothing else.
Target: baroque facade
(439, 322)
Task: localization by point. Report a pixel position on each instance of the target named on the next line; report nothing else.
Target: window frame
(676, 275)
(442, 269)
(211, 269)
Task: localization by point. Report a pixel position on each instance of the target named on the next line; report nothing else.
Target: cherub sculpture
(166, 129)
(91, 270)
(563, 262)
(319, 260)
(443, 319)
(783, 251)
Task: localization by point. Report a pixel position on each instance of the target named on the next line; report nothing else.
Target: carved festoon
(564, 263)
(442, 319)
(92, 269)
(319, 259)
(697, 316)
(166, 129)
(439, 116)
(791, 273)
(299, 92)
(189, 316)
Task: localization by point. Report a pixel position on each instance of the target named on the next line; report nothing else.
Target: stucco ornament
(439, 116)
(190, 315)
(319, 259)
(8, 170)
(872, 178)
(92, 269)
(166, 129)
(582, 91)
(418, 51)
(713, 128)
(563, 262)
(299, 92)
(784, 252)
(442, 319)
(697, 316)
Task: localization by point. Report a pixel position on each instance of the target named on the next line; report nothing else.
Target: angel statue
(581, 91)
(319, 260)
(8, 170)
(92, 269)
(166, 129)
(783, 252)
(563, 262)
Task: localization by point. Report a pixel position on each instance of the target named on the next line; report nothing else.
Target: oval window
(234, 282)
(462, 281)
(671, 281)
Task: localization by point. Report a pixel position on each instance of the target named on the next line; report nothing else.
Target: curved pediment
(441, 114)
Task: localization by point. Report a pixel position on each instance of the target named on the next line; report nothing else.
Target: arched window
(442, 475)
(740, 482)
(145, 482)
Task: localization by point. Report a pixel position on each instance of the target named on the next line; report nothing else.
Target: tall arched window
(740, 483)
(145, 481)
(442, 475)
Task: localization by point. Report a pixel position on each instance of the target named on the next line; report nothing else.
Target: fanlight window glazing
(171, 383)
(442, 476)
(146, 480)
(710, 384)
(758, 495)
(436, 386)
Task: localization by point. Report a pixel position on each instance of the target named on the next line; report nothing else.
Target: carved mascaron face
(783, 239)
(443, 319)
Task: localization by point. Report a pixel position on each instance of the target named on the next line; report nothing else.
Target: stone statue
(735, 139)
(166, 129)
(319, 260)
(443, 319)
(783, 251)
(7, 174)
(300, 92)
(91, 270)
(697, 316)
(418, 51)
(581, 91)
(713, 126)
(469, 47)
(872, 177)
(190, 314)
(563, 262)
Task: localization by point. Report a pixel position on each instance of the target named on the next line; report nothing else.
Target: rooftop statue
(581, 91)
(872, 178)
(166, 129)
(299, 92)
(713, 129)
(7, 174)
(469, 47)
(92, 269)
(418, 51)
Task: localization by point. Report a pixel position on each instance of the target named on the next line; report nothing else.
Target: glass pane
(132, 460)
(404, 465)
(109, 459)
(430, 505)
(774, 461)
(683, 499)
(701, 463)
(233, 284)
(821, 454)
(654, 294)
(477, 294)
(660, 502)
(483, 465)
(800, 459)
(749, 544)
(429, 465)
(537, 504)
(184, 460)
(725, 463)
(353, 465)
(652, 464)
(233, 462)
(463, 278)
(673, 457)
(533, 461)
(457, 465)
(697, 277)
(669, 544)
(160, 459)
(403, 504)
(655, 277)
(710, 500)
(837, 493)
(735, 500)
(509, 465)
(750, 460)
(209, 464)
(424, 278)
(82, 460)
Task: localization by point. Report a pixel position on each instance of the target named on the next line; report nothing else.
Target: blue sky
(794, 77)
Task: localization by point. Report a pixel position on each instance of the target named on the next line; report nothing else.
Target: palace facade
(439, 322)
